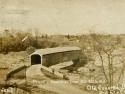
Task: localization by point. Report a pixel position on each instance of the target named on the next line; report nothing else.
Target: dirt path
(60, 88)
(63, 88)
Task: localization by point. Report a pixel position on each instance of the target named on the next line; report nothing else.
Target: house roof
(55, 50)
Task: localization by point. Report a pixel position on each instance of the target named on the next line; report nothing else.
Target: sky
(64, 16)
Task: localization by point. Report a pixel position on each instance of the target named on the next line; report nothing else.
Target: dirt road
(60, 88)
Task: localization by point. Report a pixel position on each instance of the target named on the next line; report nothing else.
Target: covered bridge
(52, 56)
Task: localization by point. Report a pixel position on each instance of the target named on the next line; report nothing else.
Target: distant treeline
(20, 41)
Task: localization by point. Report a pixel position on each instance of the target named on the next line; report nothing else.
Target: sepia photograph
(62, 47)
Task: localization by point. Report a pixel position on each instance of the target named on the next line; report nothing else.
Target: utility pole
(0, 44)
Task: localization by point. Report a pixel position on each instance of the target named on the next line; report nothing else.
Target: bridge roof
(55, 50)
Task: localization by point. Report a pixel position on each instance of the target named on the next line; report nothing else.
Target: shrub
(30, 50)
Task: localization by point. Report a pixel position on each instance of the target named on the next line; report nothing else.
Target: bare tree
(105, 46)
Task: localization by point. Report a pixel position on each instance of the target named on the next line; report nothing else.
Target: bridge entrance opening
(35, 59)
